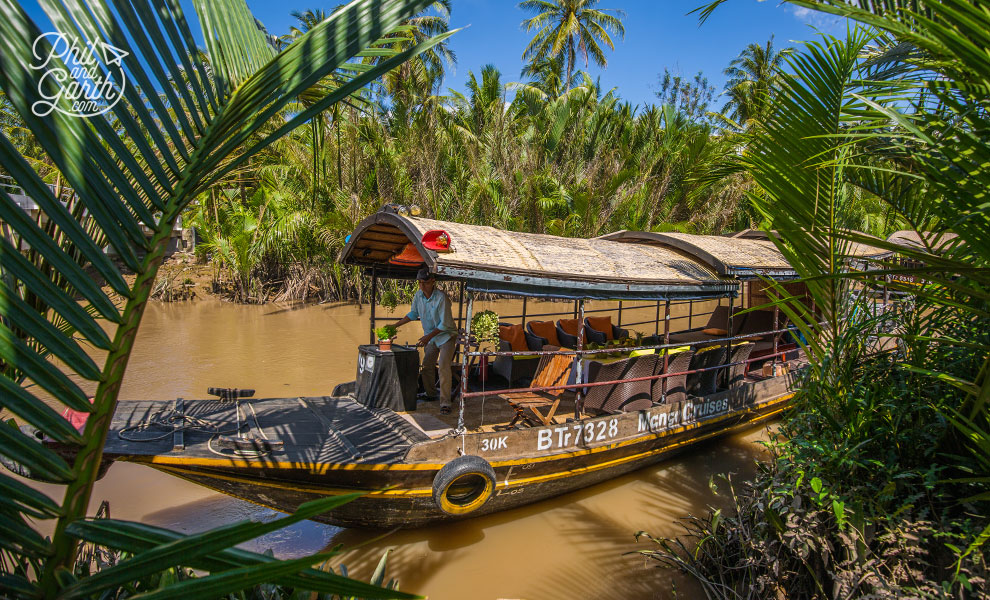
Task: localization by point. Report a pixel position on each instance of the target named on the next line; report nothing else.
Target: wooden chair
(552, 370)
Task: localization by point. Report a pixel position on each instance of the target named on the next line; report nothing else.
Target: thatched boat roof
(862, 250)
(915, 241)
(527, 263)
(751, 234)
(740, 257)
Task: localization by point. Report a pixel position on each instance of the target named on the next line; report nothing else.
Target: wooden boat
(415, 467)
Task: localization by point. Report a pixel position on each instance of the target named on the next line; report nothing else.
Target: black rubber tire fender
(464, 485)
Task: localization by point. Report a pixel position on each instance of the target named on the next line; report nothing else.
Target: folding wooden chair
(553, 370)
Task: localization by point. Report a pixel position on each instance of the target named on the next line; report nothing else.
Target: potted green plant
(385, 335)
(484, 328)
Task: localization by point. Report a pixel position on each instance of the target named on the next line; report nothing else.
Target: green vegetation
(385, 332)
(187, 121)
(556, 153)
(484, 326)
(568, 27)
(878, 483)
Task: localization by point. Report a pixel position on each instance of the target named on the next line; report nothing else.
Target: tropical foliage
(568, 27)
(186, 121)
(526, 156)
(878, 483)
(753, 78)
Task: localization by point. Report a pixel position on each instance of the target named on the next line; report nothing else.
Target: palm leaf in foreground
(180, 125)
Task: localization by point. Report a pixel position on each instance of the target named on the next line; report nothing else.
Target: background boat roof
(493, 260)
(854, 251)
(739, 257)
(939, 242)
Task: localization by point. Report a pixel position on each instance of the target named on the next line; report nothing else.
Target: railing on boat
(580, 386)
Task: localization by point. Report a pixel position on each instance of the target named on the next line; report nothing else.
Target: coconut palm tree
(133, 169)
(753, 77)
(547, 76)
(571, 27)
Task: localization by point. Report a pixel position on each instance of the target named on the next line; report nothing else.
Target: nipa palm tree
(181, 124)
(571, 27)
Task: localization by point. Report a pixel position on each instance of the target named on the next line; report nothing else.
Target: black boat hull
(530, 464)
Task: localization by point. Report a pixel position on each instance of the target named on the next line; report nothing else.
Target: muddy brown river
(580, 545)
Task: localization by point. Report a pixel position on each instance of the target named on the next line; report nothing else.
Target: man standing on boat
(431, 307)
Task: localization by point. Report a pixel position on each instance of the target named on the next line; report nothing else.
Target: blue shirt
(434, 313)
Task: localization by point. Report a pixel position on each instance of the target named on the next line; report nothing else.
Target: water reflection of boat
(576, 416)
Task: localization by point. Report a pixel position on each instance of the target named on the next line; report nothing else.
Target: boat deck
(306, 430)
(312, 430)
(480, 414)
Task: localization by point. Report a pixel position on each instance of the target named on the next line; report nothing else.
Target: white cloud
(818, 20)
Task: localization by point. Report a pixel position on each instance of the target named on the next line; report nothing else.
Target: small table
(389, 378)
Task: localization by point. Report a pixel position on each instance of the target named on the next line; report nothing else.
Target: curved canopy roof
(494, 260)
(742, 257)
(939, 242)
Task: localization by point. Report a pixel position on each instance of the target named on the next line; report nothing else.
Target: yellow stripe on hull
(324, 468)
(175, 466)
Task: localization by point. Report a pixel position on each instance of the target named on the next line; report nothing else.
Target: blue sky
(659, 34)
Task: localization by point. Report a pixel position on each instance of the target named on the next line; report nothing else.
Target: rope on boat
(173, 421)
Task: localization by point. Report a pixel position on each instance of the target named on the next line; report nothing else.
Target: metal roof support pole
(691, 314)
(464, 360)
(524, 312)
(374, 299)
(656, 322)
(578, 377)
(576, 312)
(620, 314)
(776, 326)
(666, 351)
(460, 316)
(728, 341)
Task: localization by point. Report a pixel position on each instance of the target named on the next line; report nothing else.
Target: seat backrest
(676, 385)
(759, 321)
(514, 336)
(571, 327)
(738, 321)
(737, 372)
(706, 382)
(553, 370)
(544, 329)
(719, 319)
(601, 325)
(625, 396)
